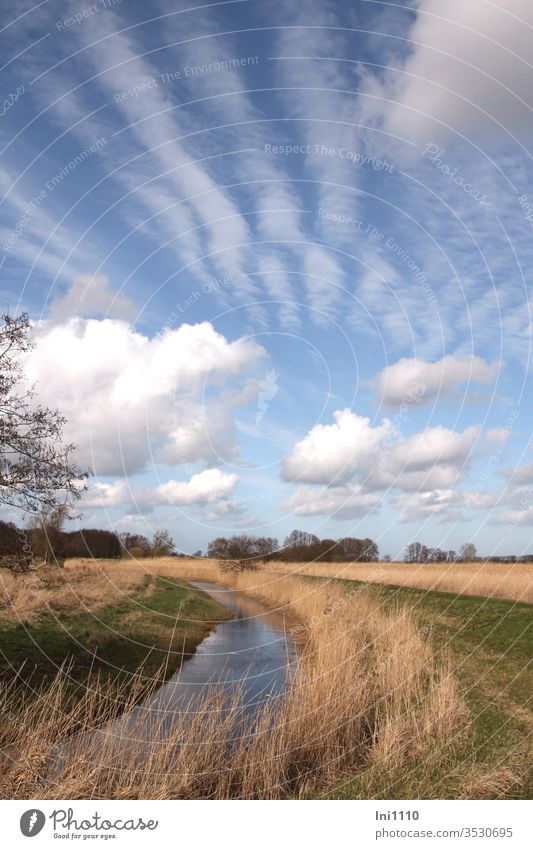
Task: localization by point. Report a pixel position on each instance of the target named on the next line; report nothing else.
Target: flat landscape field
(399, 692)
(495, 580)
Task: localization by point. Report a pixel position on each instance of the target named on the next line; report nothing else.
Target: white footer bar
(268, 825)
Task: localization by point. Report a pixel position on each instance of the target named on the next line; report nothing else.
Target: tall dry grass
(84, 586)
(512, 581)
(494, 580)
(367, 694)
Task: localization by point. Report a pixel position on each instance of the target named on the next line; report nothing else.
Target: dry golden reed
(83, 586)
(494, 580)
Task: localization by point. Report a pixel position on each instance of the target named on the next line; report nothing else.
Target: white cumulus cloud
(340, 502)
(211, 486)
(337, 452)
(469, 68)
(356, 463)
(132, 400)
(416, 381)
(434, 445)
(207, 486)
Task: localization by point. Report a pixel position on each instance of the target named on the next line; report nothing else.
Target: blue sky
(279, 261)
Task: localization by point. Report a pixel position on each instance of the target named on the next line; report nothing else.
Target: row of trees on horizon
(298, 546)
(44, 539)
(302, 546)
(416, 552)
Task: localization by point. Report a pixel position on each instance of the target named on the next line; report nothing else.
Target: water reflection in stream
(251, 653)
(250, 657)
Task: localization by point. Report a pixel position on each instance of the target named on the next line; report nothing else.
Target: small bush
(242, 565)
(15, 564)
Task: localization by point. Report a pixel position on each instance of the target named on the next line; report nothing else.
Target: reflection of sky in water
(250, 651)
(250, 655)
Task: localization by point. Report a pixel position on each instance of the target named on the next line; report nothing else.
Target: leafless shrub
(238, 565)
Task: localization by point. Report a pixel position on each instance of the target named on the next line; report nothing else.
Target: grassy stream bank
(152, 629)
(490, 642)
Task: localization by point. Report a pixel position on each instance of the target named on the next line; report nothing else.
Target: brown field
(368, 694)
(494, 580)
(24, 598)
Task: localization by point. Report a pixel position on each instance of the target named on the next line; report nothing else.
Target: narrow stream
(250, 655)
(251, 652)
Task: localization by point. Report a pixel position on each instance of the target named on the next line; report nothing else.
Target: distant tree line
(416, 552)
(11, 539)
(137, 545)
(298, 546)
(57, 544)
(45, 540)
(511, 558)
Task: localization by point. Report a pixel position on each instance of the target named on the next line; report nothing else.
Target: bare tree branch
(36, 472)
